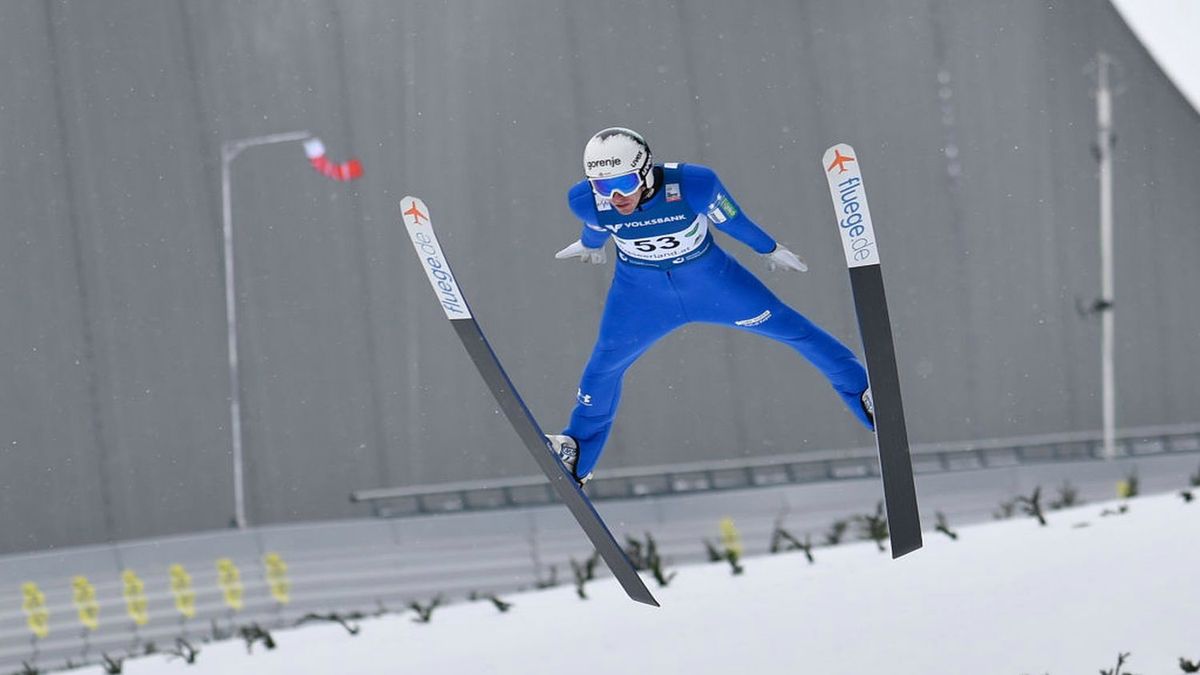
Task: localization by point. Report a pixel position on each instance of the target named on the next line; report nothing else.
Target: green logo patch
(727, 206)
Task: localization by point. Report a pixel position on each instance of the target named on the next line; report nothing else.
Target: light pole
(229, 151)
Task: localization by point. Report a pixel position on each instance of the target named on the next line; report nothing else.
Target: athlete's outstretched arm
(589, 247)
(706, 194)
(583, 206)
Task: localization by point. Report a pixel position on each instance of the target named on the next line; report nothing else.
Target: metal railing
(792, 469)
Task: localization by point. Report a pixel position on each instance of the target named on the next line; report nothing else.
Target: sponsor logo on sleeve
(673, 194)
(722, 209)
(602, 203)
(727, 206)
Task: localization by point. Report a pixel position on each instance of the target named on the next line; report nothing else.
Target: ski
(870, 304)
(416, 218)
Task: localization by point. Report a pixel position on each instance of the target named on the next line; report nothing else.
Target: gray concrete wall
(114, 397)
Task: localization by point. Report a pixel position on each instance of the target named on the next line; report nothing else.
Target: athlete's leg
(737, 298)
(636, 314)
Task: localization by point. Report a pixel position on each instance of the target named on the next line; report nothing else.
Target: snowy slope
(1168, 29)
(1007, 598)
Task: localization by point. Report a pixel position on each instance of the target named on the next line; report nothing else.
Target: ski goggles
(627, 184)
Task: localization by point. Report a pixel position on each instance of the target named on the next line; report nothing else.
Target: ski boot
(567, 451)
(868, 405)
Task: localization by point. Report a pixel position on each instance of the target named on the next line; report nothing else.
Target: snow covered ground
(1007, 598)
(1168, 28)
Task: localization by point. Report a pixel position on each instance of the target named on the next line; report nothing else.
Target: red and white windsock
(344, 171)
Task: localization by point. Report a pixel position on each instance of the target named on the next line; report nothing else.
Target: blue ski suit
(670, 272)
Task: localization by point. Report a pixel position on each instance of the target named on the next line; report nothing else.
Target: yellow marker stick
(730, 537)
(36, 614)
(135, 598)
(230, 581)
(181, 588)
(84, 595)
(277, 578)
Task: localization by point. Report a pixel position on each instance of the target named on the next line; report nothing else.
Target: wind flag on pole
(344, 171)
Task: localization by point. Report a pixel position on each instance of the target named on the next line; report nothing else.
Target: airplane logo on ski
(416, 214)
(839, 161)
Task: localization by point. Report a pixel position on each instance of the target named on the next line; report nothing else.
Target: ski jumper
(671, 272)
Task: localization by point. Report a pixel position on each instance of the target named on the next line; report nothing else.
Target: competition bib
(665, 247)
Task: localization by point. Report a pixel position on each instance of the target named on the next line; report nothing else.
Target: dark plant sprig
(1006, 510)
(1068, 496)
(655, 562)
(1189, 666)
(807, 548)
(550, 581)
(1117, 669)
(183, 650)
(111, 665)
(779, 537)
(714, 554)
(219, 633)
(1194, 479)
(255, 633)
(584, 572)
(837, 530)
(499, 604)
(343, 620)
(425, 612)
(1186, 495)
(1032, 505)
(944, 527)
(28, 669)
(782, 540)
(636, 554)
(733, 558)
(727, 554)
(874, 526)
(1121, 510)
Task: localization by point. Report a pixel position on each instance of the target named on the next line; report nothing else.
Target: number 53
(649, 245)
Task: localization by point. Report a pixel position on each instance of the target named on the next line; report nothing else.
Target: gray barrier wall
(974, 122)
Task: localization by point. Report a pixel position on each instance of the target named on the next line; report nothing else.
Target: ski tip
(414, 211)
(646, 599)
(905, 548)
(839, 158)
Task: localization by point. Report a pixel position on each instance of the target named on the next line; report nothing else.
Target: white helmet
(616, 151)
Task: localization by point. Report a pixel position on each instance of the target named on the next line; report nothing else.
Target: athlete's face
(626, 205)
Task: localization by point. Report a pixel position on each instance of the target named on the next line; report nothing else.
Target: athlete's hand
(596, 256)
(781, 258)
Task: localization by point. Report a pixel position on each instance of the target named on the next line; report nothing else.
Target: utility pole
(1104, 147)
